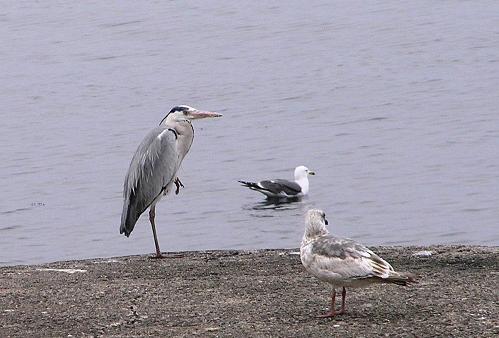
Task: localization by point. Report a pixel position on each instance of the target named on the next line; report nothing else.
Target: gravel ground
(249, 294)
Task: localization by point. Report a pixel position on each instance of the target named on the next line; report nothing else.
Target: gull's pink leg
(331, 312)
(343, 296)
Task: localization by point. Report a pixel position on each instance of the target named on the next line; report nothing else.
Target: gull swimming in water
(280, 188)
(342, 262)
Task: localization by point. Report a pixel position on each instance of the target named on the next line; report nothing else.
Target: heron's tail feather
(129, 217)
(401, 278)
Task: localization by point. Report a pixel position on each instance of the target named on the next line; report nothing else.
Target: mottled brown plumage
(342, 262)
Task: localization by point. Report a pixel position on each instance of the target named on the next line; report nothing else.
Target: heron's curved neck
(185, 135)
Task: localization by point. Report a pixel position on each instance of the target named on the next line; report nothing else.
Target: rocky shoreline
(249, 294)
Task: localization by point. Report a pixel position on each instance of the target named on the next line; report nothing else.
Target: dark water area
(393, 105)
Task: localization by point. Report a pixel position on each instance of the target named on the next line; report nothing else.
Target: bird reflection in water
(293, 203)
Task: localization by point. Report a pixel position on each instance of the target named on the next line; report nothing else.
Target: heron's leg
(152, 214)
(343, 296)
(331, 312)
(178, 184)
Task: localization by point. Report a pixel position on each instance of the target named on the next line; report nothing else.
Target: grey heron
(153, 169)
(343, 262)
(280, 188)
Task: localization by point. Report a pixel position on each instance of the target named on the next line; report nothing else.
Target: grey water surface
(393, 104)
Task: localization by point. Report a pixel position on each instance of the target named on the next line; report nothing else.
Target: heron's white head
(315, 223)
(185, 113)
(302, 172)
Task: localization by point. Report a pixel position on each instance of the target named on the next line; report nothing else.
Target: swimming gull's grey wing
(279, 186)
(275, 188)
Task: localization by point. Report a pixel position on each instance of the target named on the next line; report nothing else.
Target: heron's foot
(161, 256)
(178, 184)
(330, 314)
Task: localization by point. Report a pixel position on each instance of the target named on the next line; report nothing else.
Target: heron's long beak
(310, 172)
(198, 114)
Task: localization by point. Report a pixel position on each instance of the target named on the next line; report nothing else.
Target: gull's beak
(198, 114)
(310, 172)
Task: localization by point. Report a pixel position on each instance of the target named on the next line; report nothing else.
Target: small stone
(423, 253)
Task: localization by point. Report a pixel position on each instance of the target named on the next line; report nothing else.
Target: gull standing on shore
(154, 166)
(280, 188)
(342, 262)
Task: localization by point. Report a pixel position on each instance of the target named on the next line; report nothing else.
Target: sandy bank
(239, 293)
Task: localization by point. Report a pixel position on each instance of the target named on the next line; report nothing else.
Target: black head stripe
(164, 118)
(179, 108)
(173, 110)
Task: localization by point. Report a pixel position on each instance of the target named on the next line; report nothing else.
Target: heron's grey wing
(347, 258)
(281, 187)
(152, 168)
